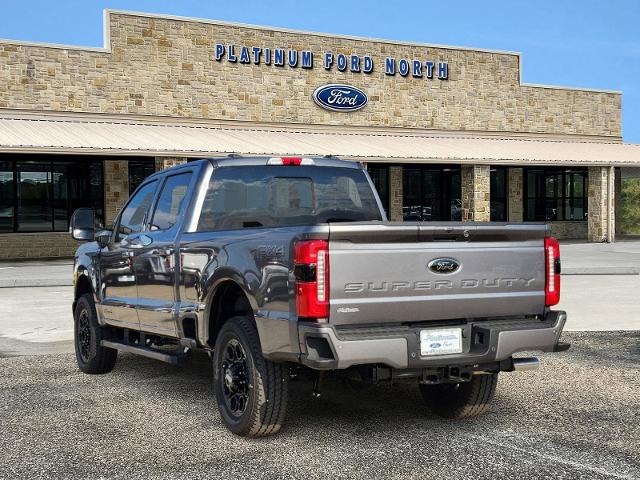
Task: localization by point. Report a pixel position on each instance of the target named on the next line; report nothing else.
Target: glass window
(139, 169)
(498, 189)
(380, 177)
(241, 197)
(34, 197)
(39, 193)
(132, 217)
(6, 197)
(431, 193)
(555, 194)
(171, 202)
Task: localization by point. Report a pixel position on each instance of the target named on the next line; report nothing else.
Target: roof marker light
(290, 161)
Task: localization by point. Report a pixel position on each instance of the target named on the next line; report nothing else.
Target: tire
(87, 333)
(251, 391)
(461, 400)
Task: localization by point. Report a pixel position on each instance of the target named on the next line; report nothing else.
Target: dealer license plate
(443, 341)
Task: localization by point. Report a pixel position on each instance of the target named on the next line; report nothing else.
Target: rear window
(243, 197)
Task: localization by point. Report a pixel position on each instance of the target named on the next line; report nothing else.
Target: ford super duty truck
(282, 266)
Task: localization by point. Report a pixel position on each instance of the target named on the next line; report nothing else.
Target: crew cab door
(118, 293)
(155, 262)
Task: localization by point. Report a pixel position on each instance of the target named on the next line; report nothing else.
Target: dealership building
(446, 133)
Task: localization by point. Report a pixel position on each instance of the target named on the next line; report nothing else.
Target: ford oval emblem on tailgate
(340, 98)
(443, 265)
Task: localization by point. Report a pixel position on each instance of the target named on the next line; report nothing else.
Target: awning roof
(121, 137)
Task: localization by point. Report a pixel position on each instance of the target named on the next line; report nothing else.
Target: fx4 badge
(443, 265)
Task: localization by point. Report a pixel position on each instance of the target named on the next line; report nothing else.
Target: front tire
(461, 400)
(251, 391)
(91, 356)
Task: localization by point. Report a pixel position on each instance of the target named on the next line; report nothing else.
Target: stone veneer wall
(475, 193)
(598, 226)
(168, 162)
(161, 66)
(36, 245)
(515, 200)
(116, 188)
(395, 193)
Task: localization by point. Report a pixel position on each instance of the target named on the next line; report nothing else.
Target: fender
(209, 288)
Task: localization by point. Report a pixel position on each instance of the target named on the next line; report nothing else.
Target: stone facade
(395, 194)
(598, 218)
(116, 188)
(574, 230)
(475, 193)
(36, 245)
(163, 66)
(168, 162)
(515, 198)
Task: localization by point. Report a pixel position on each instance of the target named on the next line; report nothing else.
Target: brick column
(516, 191)
(168, 162)
(116, 188)
(395, 193)
(598, 192)
(475, 193)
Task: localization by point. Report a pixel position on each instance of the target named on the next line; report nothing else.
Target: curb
(601, 271)
(35, 283)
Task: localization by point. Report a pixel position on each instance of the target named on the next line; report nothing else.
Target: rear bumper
(324, 347)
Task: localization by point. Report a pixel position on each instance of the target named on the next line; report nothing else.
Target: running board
(173, 359)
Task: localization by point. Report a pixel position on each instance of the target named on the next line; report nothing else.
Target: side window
(171, 202)
(132, 218)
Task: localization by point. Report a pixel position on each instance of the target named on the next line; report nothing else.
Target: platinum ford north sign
(340, 98)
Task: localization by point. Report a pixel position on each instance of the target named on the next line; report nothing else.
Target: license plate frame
(440, 341)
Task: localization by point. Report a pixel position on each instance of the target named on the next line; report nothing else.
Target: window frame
(504, 198)
(561, 197)
(156, 200)
(51, 161)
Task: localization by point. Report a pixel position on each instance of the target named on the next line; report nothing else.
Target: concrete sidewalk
(37, 273)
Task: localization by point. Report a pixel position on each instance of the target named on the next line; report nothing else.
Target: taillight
(552, 271)
(311, 268)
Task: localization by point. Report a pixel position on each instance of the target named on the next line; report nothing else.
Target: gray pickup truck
(284, 267)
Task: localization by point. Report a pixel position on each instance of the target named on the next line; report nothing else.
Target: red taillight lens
(311, 259)
(552, 271)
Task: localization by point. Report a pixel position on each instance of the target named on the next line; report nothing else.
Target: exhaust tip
(525, 364)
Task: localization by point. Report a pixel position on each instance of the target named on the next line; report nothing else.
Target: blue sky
(584, 43)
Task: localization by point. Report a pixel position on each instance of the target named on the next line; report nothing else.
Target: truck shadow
(378, 409)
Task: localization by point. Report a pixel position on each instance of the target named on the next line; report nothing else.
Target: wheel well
(228, 301)
(83, 286)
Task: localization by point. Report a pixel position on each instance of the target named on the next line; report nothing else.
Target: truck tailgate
(380, 273)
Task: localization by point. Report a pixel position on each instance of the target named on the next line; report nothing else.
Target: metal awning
(95, 135)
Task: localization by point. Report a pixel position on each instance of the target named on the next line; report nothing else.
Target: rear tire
(461, 400)
(251, 391)
(91, 356)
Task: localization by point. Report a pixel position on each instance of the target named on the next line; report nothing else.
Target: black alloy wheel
(234, 376)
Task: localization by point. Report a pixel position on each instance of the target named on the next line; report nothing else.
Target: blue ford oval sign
(340, 98)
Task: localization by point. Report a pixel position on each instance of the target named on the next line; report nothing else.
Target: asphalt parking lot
(576, 417)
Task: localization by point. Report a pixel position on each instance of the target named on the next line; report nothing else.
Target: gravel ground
(576, 417)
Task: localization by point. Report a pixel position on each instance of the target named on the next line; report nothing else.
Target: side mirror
(103, 238)
(83, 224)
